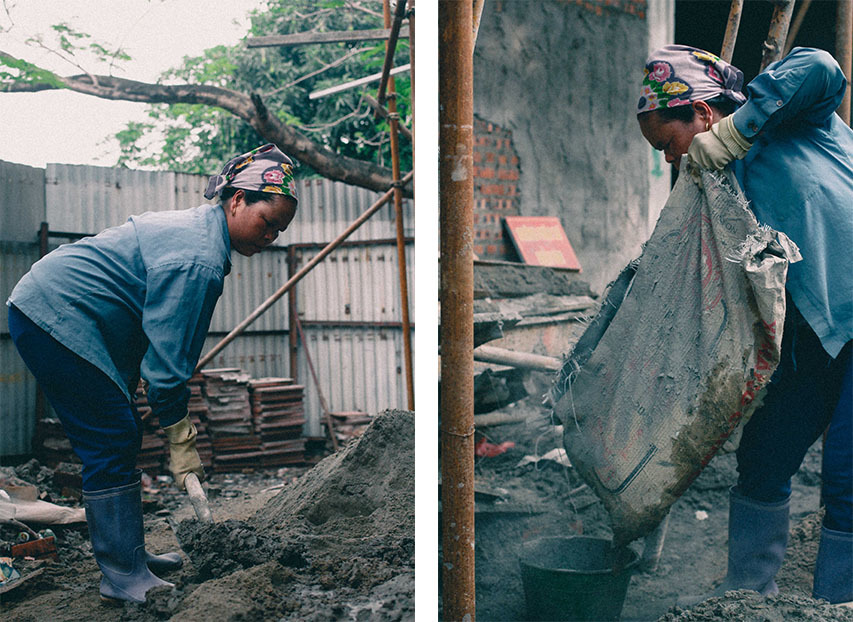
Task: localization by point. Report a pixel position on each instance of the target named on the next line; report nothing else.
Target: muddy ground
(516, 503)
(335, 542)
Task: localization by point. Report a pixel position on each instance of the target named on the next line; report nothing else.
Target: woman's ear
(706, 115)
(236, 198)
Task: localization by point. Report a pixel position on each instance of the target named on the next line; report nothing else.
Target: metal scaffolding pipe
(456, 185)
(843, 45)
(394, 119)
(778, 33)
(266, 304)
(391, 43)
(732, 27)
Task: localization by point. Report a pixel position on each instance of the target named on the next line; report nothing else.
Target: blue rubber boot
(166, 562)
(118, 541)
(833, 573)
(758, 537)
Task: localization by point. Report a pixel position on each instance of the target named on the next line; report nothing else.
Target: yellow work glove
(718, 146)
(182, 452)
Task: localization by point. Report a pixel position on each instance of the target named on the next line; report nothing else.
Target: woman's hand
(183, 454)
(718, 146)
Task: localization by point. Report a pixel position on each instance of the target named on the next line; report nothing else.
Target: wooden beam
(523, 360)
(307, 38)
(354, 83)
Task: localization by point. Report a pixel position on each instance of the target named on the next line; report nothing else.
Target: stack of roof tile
(278, 417)
(229, 420)
(349, 425)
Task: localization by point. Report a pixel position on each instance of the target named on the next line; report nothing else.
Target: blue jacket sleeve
(806, 86)
(178, 308)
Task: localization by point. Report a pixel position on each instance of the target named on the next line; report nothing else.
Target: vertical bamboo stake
(779, 23)
(398, 217)
(843, 45)
(732, 26)
(456, 184)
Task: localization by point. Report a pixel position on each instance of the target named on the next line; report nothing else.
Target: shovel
(198, 498)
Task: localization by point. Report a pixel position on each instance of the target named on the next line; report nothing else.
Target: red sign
(541, 241)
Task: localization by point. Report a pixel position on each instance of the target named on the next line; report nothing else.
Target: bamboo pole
(778, 33)
(521, 360)
(732, 26)
(390, 43)
(254, 315)
(843, 46)
(456, 183)
(398, 211)
(796, 23)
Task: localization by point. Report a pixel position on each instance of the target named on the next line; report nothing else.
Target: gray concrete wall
(565, 81)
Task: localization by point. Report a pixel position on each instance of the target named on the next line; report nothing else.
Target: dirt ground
(516, 503)
(335, 542)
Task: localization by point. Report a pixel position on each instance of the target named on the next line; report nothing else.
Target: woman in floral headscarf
(136, 300)
(793, 157)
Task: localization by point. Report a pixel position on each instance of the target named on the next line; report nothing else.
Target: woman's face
(254, 227)
(674, 137)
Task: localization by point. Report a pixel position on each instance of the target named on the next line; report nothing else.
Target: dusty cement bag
(684, 340)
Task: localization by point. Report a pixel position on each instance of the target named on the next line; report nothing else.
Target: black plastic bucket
(573, 578)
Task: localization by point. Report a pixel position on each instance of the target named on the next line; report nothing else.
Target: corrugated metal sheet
(17, 402)
(358, 370)
(355, 284)
(253, 280)
(21, 202)
(327, 208)
(17, 385)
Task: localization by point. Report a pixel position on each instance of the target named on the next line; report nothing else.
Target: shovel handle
(198, 498)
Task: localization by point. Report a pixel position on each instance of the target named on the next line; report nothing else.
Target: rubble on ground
(332, 542)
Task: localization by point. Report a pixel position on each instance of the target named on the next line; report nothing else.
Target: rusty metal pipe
(391, 44)
(412, 65)
(732, 27)
(456, 185)
(843, 45)
(266, 304)
(398, 218)
(780, 21)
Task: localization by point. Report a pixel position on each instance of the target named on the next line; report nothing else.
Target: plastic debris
(485, 449)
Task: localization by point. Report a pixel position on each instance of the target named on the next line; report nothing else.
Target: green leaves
(17, 71)
(199, 138)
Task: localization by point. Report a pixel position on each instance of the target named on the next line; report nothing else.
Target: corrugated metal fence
(348, 306)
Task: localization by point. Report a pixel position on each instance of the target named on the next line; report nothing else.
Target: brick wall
(496, 173)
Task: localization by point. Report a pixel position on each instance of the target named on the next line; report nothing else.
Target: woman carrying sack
(793, 158)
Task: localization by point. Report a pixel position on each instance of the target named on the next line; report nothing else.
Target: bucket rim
(634, 557)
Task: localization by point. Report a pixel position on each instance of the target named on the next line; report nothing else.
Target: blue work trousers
(808, 393)
(104, 428)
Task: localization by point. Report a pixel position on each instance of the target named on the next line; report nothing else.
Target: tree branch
(249, 108)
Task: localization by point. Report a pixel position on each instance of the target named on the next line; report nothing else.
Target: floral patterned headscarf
(264, 169)
(677, 75)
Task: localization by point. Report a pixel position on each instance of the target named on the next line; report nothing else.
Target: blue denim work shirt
(136, 299)
(798, 177)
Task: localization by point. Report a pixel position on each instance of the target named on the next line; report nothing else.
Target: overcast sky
(70, 128)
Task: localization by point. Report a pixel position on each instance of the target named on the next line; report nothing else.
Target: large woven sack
(685, 339)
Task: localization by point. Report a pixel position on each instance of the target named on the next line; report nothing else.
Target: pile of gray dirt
(748, 605)
(338, 543)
